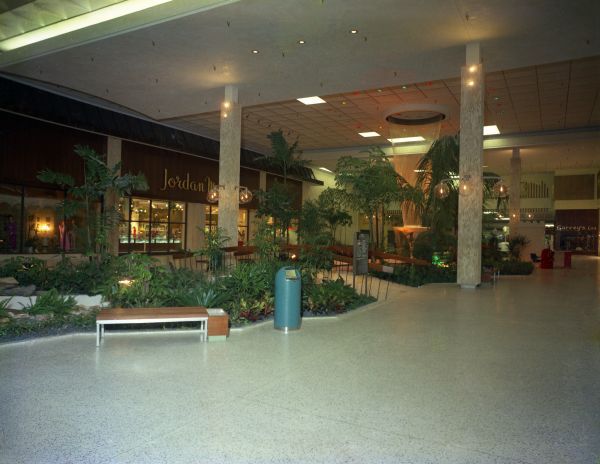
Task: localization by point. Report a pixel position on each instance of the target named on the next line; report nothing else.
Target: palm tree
(284, 156)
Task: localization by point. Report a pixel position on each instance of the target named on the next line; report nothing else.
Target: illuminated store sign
(185, 183)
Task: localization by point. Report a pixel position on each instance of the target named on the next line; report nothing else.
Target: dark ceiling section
(7, 5)
(23, 99)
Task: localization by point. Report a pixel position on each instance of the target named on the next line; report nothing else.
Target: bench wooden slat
(150, 313)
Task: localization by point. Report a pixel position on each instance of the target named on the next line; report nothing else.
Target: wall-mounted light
(245, 194)
(465, 187)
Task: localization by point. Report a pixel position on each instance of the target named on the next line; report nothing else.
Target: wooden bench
(151, 316)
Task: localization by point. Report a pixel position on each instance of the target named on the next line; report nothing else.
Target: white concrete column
(470, 200)
(113, 156)
(514, 199)
(229, 163)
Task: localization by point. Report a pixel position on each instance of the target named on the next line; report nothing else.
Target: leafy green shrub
(209, 296)
(27, 271)
(415, 276)
(248, 291)
(87, 277)
(515, 267)
(430, 241)
(330, 296)
(51, 302)
(4, 307)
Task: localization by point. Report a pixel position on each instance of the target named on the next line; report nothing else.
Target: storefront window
(212, 219)
(151, 225)
(42, 231)
(243, 227)
(10, 218)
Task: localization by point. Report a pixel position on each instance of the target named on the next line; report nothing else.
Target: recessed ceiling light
(311, 100)
(76, 23)
(379, 90)
(404, 87)
(325, 169)
(418, 138)
(301, 42)
(471, 83)
(491, 130)
(369, 134)
(344, 102)
(256, 52)
(353, 31)
(472, 68)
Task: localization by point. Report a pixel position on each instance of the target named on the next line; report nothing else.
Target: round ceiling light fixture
(414, 123)
(416, 114)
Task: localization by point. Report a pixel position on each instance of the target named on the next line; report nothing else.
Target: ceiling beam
(526, 139)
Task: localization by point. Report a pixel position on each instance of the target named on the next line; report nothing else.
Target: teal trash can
(287, 299)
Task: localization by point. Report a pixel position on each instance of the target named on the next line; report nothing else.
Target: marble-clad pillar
(229, 164)
(470, 200)
(514, 198)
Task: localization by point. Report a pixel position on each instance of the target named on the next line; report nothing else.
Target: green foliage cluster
(52, 302)
(277, 203)
(247, 293)
(3, 307)
(332, 296)
(416, 276)
(371, 184)
(26, 270)
(431, 241)
(267, 249)
(316, 237)
(58, 324)
(515, 267)
(250, 289)
(214, 241)
(100, 180)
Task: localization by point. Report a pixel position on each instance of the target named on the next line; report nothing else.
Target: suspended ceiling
(171, 62)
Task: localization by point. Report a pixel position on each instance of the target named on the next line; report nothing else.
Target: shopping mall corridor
(503, 374)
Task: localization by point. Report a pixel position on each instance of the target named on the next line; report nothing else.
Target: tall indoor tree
(370, 183)
(99, 179)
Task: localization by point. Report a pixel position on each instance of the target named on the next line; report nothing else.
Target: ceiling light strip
(75, 23)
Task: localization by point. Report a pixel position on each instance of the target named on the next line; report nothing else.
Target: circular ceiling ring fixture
(416, 114)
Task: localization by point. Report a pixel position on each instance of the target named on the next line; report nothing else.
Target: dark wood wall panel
(27, 146)
(576, 187)
(177, 176)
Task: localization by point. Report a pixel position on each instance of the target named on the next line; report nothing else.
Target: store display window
(151, 226)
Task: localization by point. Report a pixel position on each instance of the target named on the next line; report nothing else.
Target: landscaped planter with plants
(244, 292)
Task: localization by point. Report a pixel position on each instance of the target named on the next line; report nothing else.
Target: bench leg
(97, 334)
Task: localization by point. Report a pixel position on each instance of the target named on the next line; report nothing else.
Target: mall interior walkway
(504, 374)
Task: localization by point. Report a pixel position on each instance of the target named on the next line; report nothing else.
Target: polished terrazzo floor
(505, 374)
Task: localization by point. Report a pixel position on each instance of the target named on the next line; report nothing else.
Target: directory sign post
(360, 255)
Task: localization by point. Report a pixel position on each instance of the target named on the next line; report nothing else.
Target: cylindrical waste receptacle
(287, 299)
